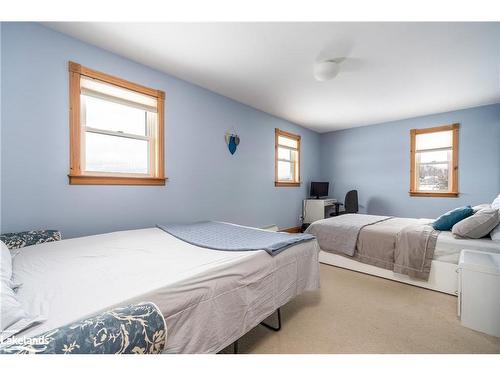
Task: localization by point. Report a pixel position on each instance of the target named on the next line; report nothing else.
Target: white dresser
(479, 291)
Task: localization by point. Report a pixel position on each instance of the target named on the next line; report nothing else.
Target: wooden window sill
(286, 184)
(115, 180)
(433, 194)
(292, 230)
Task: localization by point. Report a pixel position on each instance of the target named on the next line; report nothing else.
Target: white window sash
(117, 134)
(447, 161)
(151, 131)
(288, 147)
(434, 162)
(434, 149)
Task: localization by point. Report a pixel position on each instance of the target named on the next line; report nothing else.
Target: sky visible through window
(115, 153)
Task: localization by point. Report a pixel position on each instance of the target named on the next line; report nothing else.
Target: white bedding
(448, 247)
(209, 298)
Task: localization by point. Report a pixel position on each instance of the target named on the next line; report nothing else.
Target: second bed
(376, 250)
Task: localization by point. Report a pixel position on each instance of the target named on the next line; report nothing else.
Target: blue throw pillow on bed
(449, 219)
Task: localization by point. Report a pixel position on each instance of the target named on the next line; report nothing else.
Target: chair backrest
(351, 202)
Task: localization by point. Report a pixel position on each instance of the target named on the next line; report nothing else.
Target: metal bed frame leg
(275, 329)
(235, 347)
(272, 328)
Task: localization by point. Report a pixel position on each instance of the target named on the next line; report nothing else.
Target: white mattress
(448, 248)
(209, 298)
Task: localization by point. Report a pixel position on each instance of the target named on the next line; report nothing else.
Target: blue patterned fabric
(230, 237)
(449, 219)
(32, 237)
(135, 329)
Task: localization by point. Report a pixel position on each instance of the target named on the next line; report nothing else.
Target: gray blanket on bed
(340, 233)
(231, 237)
(402, 245)
(414, 250)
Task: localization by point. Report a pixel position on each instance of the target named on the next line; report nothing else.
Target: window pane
(433, 177)
(287, 154)
(434, 156)
(108, 153)
(284, 153)
(106, 115)
(428, 141)
(284, 141)
(286, 171)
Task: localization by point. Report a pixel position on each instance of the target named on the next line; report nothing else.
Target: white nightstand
(479, 291)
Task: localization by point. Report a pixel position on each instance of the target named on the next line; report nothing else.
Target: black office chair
(350, 204)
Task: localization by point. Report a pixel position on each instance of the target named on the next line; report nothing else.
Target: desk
(315, 209)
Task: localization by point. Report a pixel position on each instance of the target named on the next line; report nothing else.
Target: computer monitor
(319, 189)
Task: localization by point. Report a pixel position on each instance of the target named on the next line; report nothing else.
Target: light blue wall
(375, 161)
(205, 181)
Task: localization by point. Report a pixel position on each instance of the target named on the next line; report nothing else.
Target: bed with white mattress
(448, 247)
(443, 266)
(209, 298)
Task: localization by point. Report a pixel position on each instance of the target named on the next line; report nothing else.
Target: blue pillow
(449, 219)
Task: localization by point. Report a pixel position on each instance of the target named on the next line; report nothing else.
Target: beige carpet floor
(358, 313)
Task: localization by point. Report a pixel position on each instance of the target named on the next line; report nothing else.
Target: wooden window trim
(454, 175)
(286, 184)
(292, 230)
(278, 183)
(76, 175)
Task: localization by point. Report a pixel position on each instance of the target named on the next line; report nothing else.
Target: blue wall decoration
(232, 141)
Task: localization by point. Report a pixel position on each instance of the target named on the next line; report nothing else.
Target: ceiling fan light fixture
(326, 70)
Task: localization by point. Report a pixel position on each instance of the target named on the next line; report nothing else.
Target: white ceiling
(392, 71)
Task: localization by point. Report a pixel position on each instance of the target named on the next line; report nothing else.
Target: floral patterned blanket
(28, 238)
(135, 329)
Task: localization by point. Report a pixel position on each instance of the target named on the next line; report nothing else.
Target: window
(287, 159)
(434, 161)
(116, 130)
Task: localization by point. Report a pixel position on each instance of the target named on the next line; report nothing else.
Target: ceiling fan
(336, 57)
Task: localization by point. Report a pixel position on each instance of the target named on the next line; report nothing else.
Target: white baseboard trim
(443, 276)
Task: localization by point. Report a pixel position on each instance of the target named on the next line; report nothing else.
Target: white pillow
(495, 233)
(5, 262)
(13, 318)
(11, 309)
(477, 225)
(479, 207)
(496, 203)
